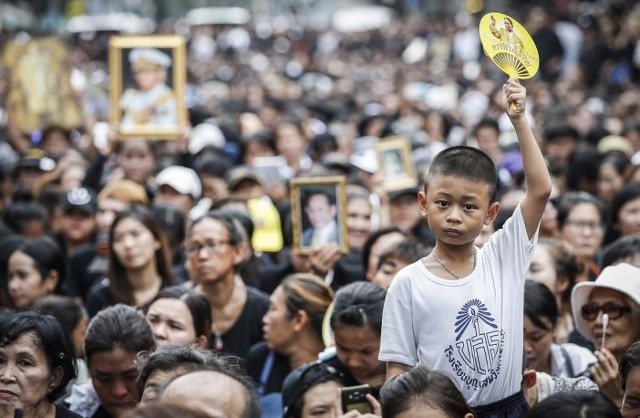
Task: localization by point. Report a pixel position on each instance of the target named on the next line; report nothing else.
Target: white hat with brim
(623, 277)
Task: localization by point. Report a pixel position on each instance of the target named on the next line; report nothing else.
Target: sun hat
(622, 277)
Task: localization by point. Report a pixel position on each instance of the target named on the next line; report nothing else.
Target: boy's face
(148, 78)
(456, 208)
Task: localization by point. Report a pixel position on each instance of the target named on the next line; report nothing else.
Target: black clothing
(248, 328)
(256, 358)
(100, 297)
(62, 412)
(86, 268)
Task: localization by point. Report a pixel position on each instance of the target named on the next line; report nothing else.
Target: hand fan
(508, 44)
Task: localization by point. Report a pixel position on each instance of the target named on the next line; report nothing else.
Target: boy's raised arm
(537, 178)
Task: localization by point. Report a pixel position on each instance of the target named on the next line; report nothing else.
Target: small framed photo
(318, 213)
(147, 76)
(394, 163)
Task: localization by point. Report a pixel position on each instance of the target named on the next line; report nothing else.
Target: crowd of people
(162, 278)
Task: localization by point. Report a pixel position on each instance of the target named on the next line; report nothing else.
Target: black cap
(80, 198)
(36, 158)
(299, 380)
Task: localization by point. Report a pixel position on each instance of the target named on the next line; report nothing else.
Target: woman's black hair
(309, 293)
(51, 338)
(198, 305)
(18, 215)
(620, 249)
(118, 326)
(629, 361)
(572, 199)
(118, 281)
(373, 238)
(67, 310)
(47, 257)
(623, 196)
(358, 304)
(423, 387)
(539, 303)
(234, 228)
(579, 403)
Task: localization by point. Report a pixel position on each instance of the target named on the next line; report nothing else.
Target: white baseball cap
(184, 180)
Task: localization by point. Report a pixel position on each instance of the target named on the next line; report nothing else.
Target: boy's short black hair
(468, 163)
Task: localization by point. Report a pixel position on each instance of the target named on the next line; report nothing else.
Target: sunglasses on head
(590, 310)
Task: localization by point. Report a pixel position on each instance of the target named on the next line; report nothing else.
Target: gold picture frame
(394, 163)
(329, 204)
(138, 110)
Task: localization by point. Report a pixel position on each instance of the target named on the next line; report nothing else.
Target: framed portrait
(394, 163)
(147, 76)
(318, 213)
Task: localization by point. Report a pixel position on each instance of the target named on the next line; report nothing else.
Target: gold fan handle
(514, 106)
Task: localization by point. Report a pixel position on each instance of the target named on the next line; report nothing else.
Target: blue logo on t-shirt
(481, 351)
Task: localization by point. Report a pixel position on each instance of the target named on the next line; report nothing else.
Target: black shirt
(248, 328)
(255, 363)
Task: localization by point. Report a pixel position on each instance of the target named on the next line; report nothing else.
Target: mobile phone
(355, 398)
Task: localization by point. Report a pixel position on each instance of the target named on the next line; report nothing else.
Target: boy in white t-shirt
(459, 309)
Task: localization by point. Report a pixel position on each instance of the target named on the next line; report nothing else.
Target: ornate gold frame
(179, 76)
(297, 184)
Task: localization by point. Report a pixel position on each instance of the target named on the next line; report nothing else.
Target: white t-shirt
(469, 329)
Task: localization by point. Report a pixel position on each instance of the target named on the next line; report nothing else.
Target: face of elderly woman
(621, 331)
(25, 375)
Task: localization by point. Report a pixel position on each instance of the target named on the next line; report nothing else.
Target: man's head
(79, 214)
(178, 186)
(404, 211)
(467, 163)
(204, 391)
(245, 182)
(320, 208)
(508, 24)
(487, 135)
(31, 166)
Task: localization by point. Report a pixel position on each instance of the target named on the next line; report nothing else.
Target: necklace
(435, 257)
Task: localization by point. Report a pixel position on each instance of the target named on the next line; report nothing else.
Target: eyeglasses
(590, 310)
(582, 225)
(194, 248)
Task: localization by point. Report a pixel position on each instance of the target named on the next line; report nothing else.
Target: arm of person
(394, 369)
(538, 180)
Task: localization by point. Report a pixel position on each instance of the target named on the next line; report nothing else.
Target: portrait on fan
(507, 34)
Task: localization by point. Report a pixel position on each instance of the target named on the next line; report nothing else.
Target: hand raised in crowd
(515, 98)
(607, 375)
(323, 258)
